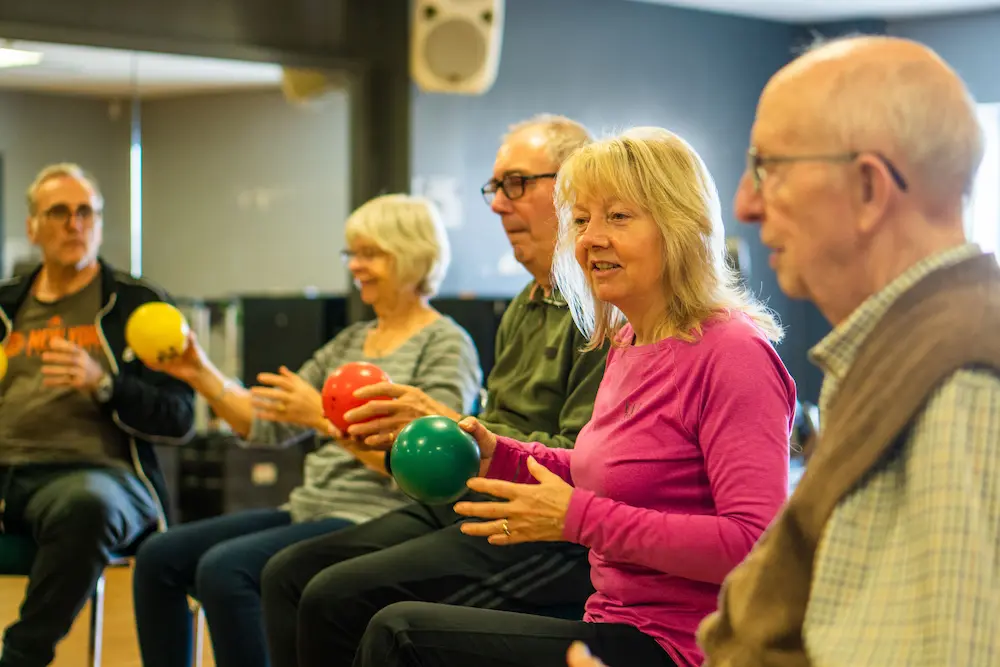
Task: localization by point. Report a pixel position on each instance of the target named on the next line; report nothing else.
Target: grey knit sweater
(440, 359)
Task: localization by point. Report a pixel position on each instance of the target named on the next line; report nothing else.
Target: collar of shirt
(836, 352)
(553, 298)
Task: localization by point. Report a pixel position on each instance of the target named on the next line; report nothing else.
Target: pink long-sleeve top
(681, 468)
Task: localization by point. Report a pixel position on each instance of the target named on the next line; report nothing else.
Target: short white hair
(411, 230)
(60, 170)
(918, 108)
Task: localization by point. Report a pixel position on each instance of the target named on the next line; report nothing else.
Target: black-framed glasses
(757, 164)
(513, 186)
(61, 214)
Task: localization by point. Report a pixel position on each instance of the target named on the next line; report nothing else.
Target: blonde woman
(685, 461)
(398, 254)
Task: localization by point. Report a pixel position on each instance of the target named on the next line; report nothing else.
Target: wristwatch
(105, 388)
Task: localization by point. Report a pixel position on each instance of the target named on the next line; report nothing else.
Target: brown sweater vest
(949, 320)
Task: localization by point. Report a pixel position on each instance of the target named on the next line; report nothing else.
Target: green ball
(432, 459)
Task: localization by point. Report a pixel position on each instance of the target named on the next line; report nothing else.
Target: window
(982, 220)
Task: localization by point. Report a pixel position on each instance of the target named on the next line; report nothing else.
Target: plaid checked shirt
(907, 570)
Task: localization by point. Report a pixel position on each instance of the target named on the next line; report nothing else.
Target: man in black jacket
(78, 416)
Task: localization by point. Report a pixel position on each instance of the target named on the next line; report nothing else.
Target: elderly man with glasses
(78, 474)
(319, 595)
(888, 552)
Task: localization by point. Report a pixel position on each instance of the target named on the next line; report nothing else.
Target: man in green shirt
(320, 595)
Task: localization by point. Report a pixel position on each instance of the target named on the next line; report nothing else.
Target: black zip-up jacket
(150, 407)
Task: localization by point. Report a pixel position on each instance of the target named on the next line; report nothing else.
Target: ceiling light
(18, 58)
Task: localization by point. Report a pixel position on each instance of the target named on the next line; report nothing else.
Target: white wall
(244, 193)
(983, 214)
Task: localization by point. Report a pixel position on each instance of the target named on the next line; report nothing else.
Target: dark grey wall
(609, 64)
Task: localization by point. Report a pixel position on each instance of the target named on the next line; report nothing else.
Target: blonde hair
(409, 229)
(60, 170)
(562, 135)
(657, 171)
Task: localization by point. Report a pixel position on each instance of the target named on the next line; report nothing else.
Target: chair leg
(96, 623)
(199, 634)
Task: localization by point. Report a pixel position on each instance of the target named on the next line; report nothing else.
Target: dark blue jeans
(78, 515)
(219, 561)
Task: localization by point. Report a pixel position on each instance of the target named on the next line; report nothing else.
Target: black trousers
(417, 634)
(320, 594)
(78, 516)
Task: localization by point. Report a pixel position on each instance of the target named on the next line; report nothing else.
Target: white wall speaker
(455, 45)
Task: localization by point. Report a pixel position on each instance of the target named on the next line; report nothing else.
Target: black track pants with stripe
(320, 594)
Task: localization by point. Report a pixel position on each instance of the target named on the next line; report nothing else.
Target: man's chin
(78, 261)
(792, 288)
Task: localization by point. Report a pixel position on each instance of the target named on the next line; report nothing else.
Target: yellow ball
(157, 332)
(3, 362)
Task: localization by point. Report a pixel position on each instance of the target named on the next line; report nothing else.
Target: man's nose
(748, 205)
(501, 202)
(76, 221)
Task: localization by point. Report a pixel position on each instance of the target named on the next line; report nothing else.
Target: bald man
(863, 152)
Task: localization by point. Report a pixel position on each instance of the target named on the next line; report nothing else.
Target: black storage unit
(200, 478)
(213, 475)
(287, 331)
(258, 478)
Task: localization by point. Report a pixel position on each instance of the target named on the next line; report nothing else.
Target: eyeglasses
(365, 254)
(512, 185)
(61, 214)
(756, 164)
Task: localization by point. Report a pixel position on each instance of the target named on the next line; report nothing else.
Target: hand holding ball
(339, 388)
(432, 459)
(157, 333)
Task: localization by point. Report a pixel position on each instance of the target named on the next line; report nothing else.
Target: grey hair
(562, 135)
(60, 170)
(907, 108)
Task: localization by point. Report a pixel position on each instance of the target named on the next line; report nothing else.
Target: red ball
(339, 388)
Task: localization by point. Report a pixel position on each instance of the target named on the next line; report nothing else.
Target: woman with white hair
(685, 460)
(398, 253)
